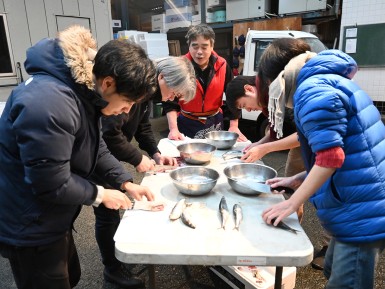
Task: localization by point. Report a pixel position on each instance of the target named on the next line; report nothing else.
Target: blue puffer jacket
(50, 148)
(332, 111)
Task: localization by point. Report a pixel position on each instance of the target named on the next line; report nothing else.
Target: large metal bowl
(196, 153)
(194, 181)
(252, 172)
(222, 139)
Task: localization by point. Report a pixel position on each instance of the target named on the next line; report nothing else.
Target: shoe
(122, 277)
(319, 258)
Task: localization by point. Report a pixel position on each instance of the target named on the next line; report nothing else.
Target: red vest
(212, 99)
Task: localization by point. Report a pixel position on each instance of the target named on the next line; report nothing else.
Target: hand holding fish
(279, 211)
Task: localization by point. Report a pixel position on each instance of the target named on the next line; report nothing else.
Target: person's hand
(138, 192)
(145, 165)
(254, 154)
(250, 146)
(115, 200)
(292, 182)
(279, 211)
(170, 161)
(241, 136)
(174, 134)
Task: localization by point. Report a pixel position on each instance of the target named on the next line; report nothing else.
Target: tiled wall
(360, 12)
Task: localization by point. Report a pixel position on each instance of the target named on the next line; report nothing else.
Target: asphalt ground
(182, 277)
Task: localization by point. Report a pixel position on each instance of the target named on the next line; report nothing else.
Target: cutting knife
(255, 185)
(154, 206)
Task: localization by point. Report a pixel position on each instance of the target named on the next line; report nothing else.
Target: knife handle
(132, 202)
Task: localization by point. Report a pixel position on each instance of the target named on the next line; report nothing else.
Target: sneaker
(319, 258)
(122, 277)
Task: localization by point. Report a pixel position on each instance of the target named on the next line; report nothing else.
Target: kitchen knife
(154, 206)
(255, 185)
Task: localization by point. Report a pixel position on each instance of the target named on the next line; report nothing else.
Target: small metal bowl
(222, 139)
(194, 181)
(196, 153)
(252, 172)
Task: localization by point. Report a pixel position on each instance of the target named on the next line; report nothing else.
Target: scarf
(282, 89)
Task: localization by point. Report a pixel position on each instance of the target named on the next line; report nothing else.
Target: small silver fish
(283, 226)
(187, 218)
(224, 211)
(236, 154)
(176, 212)
(238, 216)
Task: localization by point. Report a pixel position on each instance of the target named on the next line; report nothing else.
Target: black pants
(52, 266)
(106, 224)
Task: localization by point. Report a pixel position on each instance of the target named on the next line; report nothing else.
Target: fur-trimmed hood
(69, 57)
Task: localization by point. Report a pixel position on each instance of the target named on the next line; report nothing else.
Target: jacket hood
(69, 57)
(329, 62)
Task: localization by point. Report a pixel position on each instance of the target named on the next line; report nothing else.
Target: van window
(260, 45)
(6, 67)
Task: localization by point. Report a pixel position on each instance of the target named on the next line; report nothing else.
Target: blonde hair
(179, 75)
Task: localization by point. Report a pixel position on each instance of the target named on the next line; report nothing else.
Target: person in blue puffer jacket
(343, 145)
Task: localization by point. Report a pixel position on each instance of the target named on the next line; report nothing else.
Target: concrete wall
(359, 12)
(29, 21)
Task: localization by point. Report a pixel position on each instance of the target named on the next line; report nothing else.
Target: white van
(256, 43)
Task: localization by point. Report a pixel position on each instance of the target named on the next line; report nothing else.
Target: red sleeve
(330, 158)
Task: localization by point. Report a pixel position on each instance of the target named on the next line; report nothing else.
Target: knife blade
(255, 185)
(154, 206)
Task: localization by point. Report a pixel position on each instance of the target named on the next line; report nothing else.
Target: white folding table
(151, 238)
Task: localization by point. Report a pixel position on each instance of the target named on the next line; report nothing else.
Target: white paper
(351, 45)
(351, 33)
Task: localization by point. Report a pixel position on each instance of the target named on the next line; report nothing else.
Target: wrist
(99, 196)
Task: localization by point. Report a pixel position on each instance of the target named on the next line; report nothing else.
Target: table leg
(278, 277)
(151, 276)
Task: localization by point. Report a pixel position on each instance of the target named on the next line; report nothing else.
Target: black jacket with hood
(51, 145)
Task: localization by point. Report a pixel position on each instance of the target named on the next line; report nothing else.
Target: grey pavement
(181, 277)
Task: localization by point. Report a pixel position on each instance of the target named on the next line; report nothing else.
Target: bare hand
(138, 192)
(145, 165)
(165, 160)
(174, 134)
(288, 182)
(115, 200)
(241, 136)
(250, 146)
(279, 211)
(253, 154)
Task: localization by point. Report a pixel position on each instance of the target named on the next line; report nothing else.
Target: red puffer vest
(212, 99)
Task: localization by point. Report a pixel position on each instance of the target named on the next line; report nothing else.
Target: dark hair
(236, 89)
(134, 73)
(275, 58)
(200, 30)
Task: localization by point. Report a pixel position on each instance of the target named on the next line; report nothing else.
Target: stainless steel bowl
(252, 172)
(194, 181)
(222, 139)
(196, 153)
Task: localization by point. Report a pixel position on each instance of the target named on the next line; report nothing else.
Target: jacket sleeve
(117, 141)
(322, 115)
(170, 105)
(109, 170)
(144, 134)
